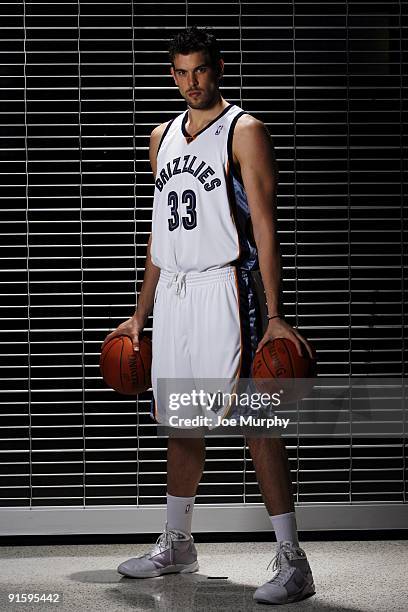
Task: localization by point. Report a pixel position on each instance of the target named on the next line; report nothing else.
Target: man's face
(193, 73)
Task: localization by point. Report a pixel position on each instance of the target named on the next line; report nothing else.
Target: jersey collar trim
(184, 121)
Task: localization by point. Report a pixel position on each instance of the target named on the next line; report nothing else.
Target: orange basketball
(278, 367)
(125, 370)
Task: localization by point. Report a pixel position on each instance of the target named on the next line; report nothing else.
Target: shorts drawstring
(179, 278)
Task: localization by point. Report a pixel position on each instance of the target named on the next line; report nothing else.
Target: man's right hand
(132, 327)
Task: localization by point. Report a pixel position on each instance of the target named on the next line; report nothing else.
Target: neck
(200, 116)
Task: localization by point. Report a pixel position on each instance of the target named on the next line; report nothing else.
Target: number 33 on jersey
(201, 218)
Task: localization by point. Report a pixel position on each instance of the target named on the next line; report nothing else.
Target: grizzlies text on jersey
(201, 219)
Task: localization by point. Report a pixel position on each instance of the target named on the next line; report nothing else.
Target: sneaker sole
(304, 594)
(171, 569)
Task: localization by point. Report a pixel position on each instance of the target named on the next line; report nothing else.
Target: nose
(192, 81)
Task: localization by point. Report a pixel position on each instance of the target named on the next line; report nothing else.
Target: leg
(174, 552)
(185, 464)
(293, 580)
(271, 463)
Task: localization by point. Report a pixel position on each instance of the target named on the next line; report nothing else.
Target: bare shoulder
(159, 129)
(248, 126)
(155, 137)
(250, 134)
(157, 133)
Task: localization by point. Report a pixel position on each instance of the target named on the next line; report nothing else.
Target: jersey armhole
(166, 129)
(234, 171)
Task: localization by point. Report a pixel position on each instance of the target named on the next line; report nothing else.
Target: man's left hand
(278, 328)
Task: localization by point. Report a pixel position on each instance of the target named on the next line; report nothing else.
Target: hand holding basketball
(132, 327)
(277, 367)
(278, 328)
(126, 357)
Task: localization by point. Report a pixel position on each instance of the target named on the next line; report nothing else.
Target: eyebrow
(200, 66)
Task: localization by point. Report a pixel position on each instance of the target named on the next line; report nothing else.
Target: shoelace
(179, 278)
(164, 541)
(284, 551)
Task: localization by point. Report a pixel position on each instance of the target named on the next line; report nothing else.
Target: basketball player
(213, 225)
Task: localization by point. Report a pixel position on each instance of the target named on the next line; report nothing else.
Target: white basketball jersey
(201, 218)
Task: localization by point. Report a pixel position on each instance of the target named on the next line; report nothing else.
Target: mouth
(194, 93)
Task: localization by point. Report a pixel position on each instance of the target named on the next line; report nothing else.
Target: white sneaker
(293, 580)
(174, 552)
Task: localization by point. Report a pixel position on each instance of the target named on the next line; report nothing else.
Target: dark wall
(83, 84)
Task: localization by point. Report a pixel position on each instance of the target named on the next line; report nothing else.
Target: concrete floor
(353, 576)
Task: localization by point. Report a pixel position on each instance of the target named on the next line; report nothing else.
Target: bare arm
(133, 326)
(253, 149)
(152, 272)
(146, 296)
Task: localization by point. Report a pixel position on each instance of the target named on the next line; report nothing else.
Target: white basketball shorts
(206, 325)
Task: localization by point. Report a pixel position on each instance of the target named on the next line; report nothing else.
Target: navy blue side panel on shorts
(251, 319)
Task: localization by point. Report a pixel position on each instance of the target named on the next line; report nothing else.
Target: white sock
(285, 527)
(180, 513)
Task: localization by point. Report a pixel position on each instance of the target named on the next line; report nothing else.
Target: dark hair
(193, 39)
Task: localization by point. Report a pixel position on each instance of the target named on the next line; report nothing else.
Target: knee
(186, 443)
(260, 442)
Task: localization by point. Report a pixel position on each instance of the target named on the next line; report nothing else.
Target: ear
(172, 74)
(220, 68)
